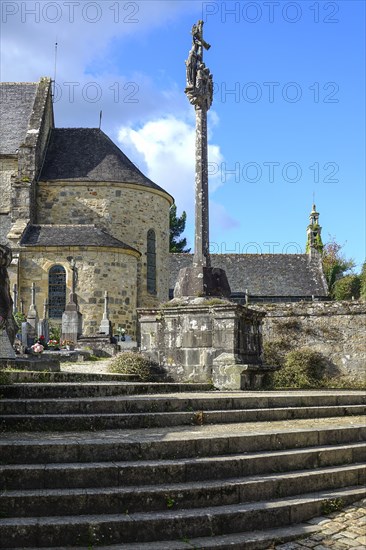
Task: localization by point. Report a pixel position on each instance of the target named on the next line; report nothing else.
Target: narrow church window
(56, 291)
(151, 262)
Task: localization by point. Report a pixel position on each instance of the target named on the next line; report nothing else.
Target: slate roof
(16, 105)
(70, 235)
(263, 274)
(88, 154)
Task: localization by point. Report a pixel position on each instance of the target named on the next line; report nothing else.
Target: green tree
(363, 282)
(334, 263)
(177, 226)
(347, 287)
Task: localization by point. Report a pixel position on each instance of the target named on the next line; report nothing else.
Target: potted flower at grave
(68, 344)
(122, 334)
(53, 345)
(37, 348)
(42, 341)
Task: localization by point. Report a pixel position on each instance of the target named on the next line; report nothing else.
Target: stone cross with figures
(199, 91)
(200, 279)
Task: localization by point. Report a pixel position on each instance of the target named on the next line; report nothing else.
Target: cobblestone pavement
(338, 531)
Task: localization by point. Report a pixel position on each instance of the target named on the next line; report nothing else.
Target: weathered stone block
(227, 372)
(202, 281)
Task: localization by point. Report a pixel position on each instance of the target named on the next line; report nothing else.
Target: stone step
(97, 389)
(123, 528)
(20, 377)
(177, 402)
(177, 496)
(122, 474)
(102, 421)
(181, 442)
(254, 540)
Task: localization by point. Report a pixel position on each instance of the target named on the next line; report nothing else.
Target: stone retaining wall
(335, 329)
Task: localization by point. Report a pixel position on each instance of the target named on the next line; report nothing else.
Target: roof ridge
(18, 83)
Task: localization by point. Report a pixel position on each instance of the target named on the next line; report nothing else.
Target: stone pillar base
(202, 281)
(230, 373)
(105, 327)
(189, 341)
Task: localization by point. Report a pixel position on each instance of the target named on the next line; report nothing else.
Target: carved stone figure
(7, 320)
(191, 64)
(197, 33)
(199, 88)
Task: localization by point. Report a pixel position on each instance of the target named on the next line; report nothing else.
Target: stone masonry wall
(98, 270)
(8, 167)
(335, 329)
(125, 211)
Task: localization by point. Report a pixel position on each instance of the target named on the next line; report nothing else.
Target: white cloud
(165, 148)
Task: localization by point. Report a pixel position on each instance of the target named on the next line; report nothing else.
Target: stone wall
(125, 211)
(99, 269)
(335, 329)
(8, 167)
(30, 159)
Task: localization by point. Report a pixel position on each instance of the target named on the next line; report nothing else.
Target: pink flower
(37, 348)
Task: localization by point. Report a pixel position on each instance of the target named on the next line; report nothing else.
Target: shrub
(55, 332)
(130, 362)
(275, 352)
(303, 368)
(363, 282)
(19, 319)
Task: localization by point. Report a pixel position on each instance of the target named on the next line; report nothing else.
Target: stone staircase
(173, 466)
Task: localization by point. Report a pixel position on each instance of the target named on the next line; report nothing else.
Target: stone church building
(70, 193)
(70, 196)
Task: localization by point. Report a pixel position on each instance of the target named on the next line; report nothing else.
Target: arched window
(56, 291)
(151, 262)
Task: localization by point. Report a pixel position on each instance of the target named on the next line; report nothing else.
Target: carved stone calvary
(201, 279)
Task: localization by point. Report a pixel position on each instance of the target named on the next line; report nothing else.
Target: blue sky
(288, 118)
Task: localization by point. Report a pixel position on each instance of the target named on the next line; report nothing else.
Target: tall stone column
(201, 279)
(201, 248)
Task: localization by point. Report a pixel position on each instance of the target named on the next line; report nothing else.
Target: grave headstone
(28, 335)
(71, 327)
(32, 317)
(43, 324)
(105, 325)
